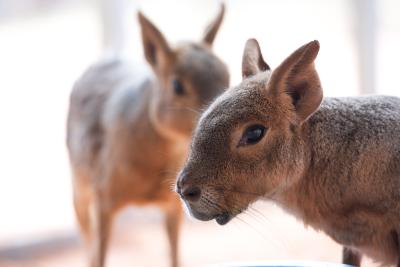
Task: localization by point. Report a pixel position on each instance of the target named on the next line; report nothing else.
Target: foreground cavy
(128, 131)
(333, 163)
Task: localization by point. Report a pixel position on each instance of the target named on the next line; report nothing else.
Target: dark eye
(178, 87)
(252, 135)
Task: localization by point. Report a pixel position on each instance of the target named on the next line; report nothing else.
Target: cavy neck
(303, 198)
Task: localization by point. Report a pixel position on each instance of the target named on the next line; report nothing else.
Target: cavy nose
(184, 188)
(190, 193)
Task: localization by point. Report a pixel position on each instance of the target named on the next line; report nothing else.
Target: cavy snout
(190, 193)
(186, 190)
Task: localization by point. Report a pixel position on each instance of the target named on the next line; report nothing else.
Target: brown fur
(334, 164)
(128, 132)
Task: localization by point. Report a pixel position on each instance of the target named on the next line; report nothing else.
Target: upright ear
(295, 82)
(252, 61)
(212, 29)
(156, 48)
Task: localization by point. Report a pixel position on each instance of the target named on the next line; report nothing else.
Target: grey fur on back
(109, 92)
(358, 123)
(347, 132)
(374, 118)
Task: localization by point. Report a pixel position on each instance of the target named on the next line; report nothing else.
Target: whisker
(239, 206)
(169, 177)
(169, 172)
(241, 192)
(218, 208)
(278, 239)
(193, 110)
(261, 223)
(269, 196)
(253, 228)
(259, 213)
(256, 215)
(169, 180)
(188, 108)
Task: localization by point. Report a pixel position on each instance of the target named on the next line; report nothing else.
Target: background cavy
(333, 163)
(128, 131)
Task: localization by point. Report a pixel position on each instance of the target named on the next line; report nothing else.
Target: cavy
(334, 163)
(128, 131)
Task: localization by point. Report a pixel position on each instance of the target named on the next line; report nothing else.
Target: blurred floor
(265, 234)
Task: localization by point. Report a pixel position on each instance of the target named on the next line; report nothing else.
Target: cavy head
(248, 144)
(189, 76)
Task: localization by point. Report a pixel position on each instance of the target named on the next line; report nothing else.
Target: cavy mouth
(223, 218)
(222, 215)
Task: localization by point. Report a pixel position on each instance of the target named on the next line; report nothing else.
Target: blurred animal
(128, 131)
(334, 163)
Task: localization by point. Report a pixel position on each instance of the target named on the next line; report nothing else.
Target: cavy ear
(212, 29)
(295, 82)
(252, 61)
(156, 48)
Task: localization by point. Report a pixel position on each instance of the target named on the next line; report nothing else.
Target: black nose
(191, 193)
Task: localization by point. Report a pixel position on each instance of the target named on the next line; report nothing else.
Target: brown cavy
(129, 130)
(334, 163)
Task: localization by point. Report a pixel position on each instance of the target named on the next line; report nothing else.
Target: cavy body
(128, 131)
(350, 188)
(333, 163)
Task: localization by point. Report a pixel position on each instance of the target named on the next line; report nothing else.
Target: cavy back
(356, 142)
(96, 101)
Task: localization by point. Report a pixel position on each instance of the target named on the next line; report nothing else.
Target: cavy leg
(93, 225)
(81, 204)
(351, 257)
(173, 217)
(101, 216)
(395, 237)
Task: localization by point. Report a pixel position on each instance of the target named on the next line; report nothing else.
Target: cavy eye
(178, 87)
(252, 135)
